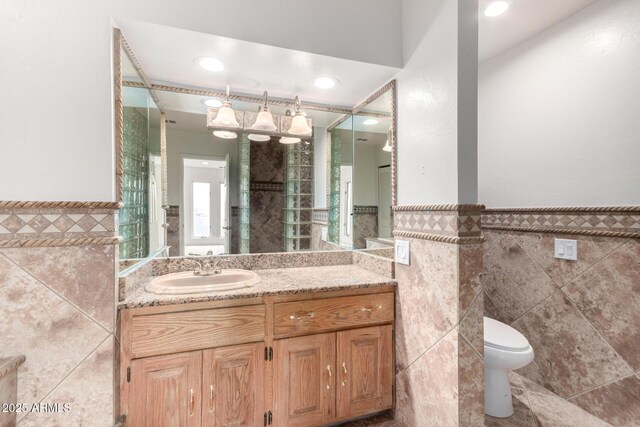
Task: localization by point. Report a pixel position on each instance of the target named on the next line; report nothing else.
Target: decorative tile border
(366, 210)
(321, 216)
(173, 210)
(30, 224)
(607, 221)
(458, 224)
(266, 186)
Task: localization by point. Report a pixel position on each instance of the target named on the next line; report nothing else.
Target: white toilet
(505, 349)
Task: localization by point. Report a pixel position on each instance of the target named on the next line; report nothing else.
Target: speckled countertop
(281, 281)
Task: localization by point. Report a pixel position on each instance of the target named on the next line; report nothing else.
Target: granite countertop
(10, 364)
(282, 281)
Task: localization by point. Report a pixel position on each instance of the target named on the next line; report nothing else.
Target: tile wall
(58, 305)
(581, 317)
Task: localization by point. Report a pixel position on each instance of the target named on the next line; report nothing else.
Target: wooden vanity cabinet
(303, 360)
(232, 386)
(304, 380)
(165, 391)
(210, 388)
(364, 378)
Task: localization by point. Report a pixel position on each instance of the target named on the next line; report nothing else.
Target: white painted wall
(198, 144)
(437, 92)
(559, 116)
(56, 118)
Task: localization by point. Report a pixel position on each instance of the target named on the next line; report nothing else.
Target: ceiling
(523, 20)
(170, 55)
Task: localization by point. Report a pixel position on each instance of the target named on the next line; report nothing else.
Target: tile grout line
(623, 377)
(429, 349)
(58, 294)
(68, 375)
(596, 331)
(596, 263)
(526, 394)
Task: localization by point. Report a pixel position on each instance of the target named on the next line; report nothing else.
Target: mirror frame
(358, 110)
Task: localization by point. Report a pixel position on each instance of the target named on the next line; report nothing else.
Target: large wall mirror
(190, 188)
(361, 183)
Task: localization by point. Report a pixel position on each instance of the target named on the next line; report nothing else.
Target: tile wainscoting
(582, 317)
(58, 291)
(439, 307)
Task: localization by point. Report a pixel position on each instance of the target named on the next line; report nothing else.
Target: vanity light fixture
(226, 116)
(370, 122)
(213, 103)
(265, 119)
(211, 64)
(496, 8)
(387, 146)
(325, 82)
(225, 134)
(259, 138)
(289, 140)
(299, 125)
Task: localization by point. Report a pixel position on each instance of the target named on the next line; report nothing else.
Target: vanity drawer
(302, 317)
(177, 332)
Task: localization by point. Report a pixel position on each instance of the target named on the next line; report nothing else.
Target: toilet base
(497, 396)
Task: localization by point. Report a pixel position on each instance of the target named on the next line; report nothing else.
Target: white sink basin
(189, 283)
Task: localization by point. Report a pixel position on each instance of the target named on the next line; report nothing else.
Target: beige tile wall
(581, 317)
(57, 305)
(439, 307)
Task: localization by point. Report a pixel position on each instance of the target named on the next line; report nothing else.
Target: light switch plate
(566, 249)
(402, 252)
(324, 233)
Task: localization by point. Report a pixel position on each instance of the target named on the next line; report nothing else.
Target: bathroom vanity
(289, 351)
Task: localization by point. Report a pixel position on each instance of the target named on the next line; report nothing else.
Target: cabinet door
(165, 391)
(232, 386)
(304, 380)
(364, 379)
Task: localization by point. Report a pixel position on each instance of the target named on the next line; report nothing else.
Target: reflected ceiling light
(258, 138)
(265, 119)
(289, 140)
(387, 146)
(226, 116)
(225, 134)
(213, 103)
(299, 125)
(205, 163)
(325, 82)
(211, 64)
(370, 122)
(496, 8)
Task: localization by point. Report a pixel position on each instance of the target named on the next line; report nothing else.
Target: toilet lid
(503, 337)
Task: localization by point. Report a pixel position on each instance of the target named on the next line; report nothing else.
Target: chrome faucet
(208, 267)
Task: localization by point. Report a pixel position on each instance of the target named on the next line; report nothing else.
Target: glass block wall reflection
(298, 196)
(244, 211)
(134, 216)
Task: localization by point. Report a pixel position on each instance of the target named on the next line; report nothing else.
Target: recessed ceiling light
(211, 64)
(370, 122)
(325, 82)
(496, 8)
(213, 103)
(205, 163)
